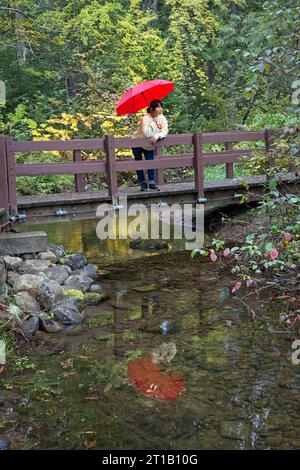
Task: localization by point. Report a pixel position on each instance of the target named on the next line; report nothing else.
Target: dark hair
(153, 105)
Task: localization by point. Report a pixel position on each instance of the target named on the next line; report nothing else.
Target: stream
(241, 389)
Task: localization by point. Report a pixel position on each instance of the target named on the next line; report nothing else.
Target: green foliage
(65, 65)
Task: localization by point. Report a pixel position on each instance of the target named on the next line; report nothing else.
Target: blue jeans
(149, 155)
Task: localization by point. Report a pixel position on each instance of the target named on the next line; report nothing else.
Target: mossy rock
(74, 294)
(94, 298)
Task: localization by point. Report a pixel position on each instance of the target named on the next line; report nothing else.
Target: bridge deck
(174, 189)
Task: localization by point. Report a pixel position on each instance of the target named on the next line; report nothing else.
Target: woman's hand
(152, 139)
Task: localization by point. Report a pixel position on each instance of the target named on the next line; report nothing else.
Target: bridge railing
(197, 159)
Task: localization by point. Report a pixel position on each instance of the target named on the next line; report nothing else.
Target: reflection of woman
(152, 126)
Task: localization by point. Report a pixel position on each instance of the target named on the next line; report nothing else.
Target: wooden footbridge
(214, 194)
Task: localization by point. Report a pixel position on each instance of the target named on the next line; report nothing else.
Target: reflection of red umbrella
(141, 95)
(147, 378)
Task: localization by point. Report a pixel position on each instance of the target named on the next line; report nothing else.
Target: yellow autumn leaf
(51, 129)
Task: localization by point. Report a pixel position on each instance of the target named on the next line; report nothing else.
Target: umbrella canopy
(141, 95)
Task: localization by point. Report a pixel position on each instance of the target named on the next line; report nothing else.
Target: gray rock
(50, 326)
(26, 302)
(4, 291)
(58, 273)
(79, 282)
(27, 282)
(12, 263)
(58, 250)
(75, 261)
(93, 298)
(12, 276)
(91, 270)
(49, 293)
(67, 268)
(12, 243)
(4, 444)
(28, 256)
(36, 272)
(96, 288)
(67, 312)
(32, 325)
(47, 255)
(37, 264)
(76, 272)
(72, 293)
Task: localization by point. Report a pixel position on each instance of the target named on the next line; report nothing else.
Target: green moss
(74, 294)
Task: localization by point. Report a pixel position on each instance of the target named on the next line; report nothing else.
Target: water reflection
(242, 390)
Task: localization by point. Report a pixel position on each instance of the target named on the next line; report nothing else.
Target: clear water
(242, 389)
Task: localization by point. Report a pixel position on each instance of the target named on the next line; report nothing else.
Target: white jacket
(151, 127)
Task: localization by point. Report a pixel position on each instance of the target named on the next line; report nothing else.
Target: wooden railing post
(4, 198)
(79, 179)
(229, 166)
(11, 171)
(111, 166)
(158, 151)
(198, 165)
(269, 143)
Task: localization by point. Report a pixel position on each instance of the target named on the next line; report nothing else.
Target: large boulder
(58, 273)
(49, 293)
(78, 282)
(12, 263)
(27, 282)
(67, 312)
(27, 302)
(75, 261)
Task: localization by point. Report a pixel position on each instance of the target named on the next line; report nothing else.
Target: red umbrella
(141, 95)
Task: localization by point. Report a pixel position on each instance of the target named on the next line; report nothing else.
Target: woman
(152, 126)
